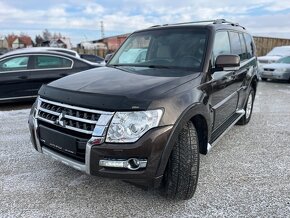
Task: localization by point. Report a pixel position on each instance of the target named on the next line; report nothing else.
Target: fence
(266, 44)
(98, 52)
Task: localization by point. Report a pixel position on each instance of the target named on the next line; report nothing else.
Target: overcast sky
(80, 20)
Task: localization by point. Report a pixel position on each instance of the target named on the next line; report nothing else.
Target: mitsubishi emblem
(59, 121)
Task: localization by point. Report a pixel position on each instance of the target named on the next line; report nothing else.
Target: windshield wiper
(115, 65)
(159, 66)
(137, 65)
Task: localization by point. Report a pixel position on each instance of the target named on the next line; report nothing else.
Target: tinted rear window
(45, 61)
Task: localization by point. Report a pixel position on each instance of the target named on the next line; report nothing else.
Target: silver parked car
(273, 56)
(279, 70)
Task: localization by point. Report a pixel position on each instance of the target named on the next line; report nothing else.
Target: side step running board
(223, 129)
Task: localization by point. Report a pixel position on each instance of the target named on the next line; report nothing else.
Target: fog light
(130, 164)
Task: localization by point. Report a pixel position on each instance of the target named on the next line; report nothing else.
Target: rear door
(14, 77)
(50, 67)
(47, 68)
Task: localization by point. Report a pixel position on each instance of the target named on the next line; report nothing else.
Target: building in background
(111, 44)
(92, 46)
(56, 41)
(3, 45)
(22, 41)
(62, 42)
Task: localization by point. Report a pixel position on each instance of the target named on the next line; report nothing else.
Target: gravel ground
(246, 175)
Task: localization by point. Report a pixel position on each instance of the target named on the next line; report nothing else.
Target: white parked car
(273, 56)
(278, 71)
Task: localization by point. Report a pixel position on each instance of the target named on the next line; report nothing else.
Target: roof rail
(217, 21)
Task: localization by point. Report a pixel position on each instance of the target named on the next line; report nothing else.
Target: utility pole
(102, 30)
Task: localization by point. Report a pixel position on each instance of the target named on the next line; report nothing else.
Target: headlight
(281, 70)
(32, 111)
(130, 126)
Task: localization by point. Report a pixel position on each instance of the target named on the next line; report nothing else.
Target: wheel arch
(199, 114)
(254, 83)
(201, 127)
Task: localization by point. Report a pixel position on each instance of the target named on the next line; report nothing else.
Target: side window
(14, 64)
(243, 55)
(235, 44)
(221, 44)
(47, 62)
(249, 45)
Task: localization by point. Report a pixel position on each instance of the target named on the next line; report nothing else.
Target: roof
(26, 40)
(216, 24)
(11, 39)
(39, 50)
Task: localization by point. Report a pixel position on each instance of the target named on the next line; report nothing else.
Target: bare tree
(46, 35)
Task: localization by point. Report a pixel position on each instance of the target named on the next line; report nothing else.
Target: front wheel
(248, 108)
(181, 175)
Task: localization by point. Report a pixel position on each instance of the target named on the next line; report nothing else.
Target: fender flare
(190, 112)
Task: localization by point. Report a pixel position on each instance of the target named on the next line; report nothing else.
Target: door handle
(63, 74)
(23, 77)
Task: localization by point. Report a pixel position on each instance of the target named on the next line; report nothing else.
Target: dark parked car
(23, 72)
(92, 58)
(148, 119)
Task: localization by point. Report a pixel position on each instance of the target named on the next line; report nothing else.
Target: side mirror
(227, 62)
(108, 57)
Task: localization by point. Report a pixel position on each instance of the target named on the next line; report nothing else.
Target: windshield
(166, 48)
(279, 51)
(285, 60)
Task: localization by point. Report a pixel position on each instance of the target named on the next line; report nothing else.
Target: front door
(224, 95)
(14, 75)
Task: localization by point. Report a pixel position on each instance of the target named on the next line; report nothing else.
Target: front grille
(269, 69)
(71, 117)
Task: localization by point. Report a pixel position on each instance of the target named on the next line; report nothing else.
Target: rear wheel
(181, 175)
(264, 79)
(248, 108)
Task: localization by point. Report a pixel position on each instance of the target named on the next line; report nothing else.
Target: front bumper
(149, 147)
(274, 75)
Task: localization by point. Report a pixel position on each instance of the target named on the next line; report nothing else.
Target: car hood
(269, 58)
(277, 66)
(131, 86)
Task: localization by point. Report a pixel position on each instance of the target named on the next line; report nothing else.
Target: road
(247, 174)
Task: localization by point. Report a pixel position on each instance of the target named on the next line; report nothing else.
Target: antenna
(102, 30)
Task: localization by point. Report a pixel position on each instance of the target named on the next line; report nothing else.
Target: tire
(264, 79)
(248, 108)
(181, 174)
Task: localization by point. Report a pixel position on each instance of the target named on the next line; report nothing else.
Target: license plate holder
(57, 140)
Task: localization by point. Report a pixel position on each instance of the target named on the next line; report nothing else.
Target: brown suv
(167, 95)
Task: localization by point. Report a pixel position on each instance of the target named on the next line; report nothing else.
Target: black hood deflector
(112, 89)
(92, 100)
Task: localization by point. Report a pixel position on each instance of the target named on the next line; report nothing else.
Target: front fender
(188, 114)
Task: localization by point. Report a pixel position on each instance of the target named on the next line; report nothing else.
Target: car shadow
(275, 81)
(15, 106)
